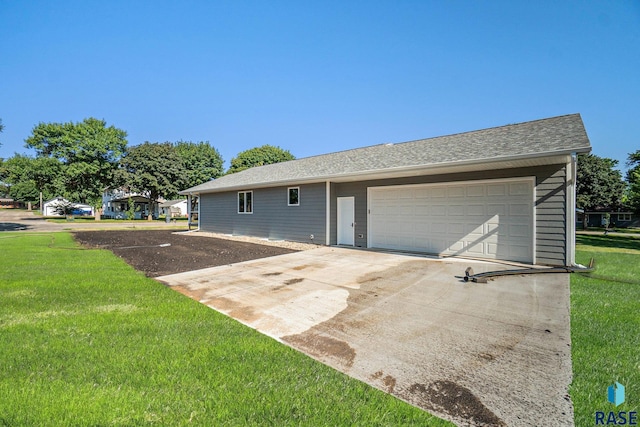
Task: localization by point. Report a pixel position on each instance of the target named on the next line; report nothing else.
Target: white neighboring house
(174, 208)
(49, 208)
(115, 204)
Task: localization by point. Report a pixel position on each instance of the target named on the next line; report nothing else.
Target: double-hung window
(245, 202)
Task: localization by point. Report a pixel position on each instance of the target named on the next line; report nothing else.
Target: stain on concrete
(453, 399)
(387, 383)
(196, 294)
(234, 309)
(276, 273)
(323, 347)
(293, 281)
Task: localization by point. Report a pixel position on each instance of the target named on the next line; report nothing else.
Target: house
(9, 203)
(49, 207)
(504, 193)
(600, 218)
(174, 208)
(115, 204)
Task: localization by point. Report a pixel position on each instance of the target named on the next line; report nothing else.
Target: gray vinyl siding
(272, 218)
(550, 204)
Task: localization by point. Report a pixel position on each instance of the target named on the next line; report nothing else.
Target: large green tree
(152, 169)
(25, 177)
(633, 180)
(201, 161)
(259, 156)
(89, 151)
(599, 184)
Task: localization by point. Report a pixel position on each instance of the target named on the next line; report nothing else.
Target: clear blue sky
(319, 76)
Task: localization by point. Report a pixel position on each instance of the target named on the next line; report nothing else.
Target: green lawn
(605, 325)
(86, 340)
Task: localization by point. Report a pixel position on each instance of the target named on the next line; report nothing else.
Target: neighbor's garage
(487, 219)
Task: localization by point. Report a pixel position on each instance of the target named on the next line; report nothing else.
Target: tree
(1, 128)
(598, 185)
(633, 180)
(26, 177)
(152, 169)
(259, 156)
(89, 151)
(201, 161)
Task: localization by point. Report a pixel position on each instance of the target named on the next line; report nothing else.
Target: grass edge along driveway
(87, 340)
(605, 326)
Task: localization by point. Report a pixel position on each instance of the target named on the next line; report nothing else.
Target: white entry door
(346, 221)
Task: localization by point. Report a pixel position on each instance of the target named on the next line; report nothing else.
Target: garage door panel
(476, 191)
(455, 192)
(520, 209)
(476, 210)
(484, 219)
(519, 189)
(496, 190)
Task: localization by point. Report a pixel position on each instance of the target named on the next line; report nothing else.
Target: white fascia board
(504, 162)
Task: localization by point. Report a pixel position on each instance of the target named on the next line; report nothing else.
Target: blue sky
(321, 76)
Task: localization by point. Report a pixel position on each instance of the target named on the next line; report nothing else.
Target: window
(294, 196)
(624, 217)
(245, 202)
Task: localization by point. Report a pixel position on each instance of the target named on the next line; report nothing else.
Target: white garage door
(485, 219)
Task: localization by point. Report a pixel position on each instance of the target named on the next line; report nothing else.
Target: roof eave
(393, 172)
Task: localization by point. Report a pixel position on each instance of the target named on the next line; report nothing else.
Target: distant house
(49, 208)
(115, 204)
(505, 193)
(621, 219)
(9, 203)
(174, 208)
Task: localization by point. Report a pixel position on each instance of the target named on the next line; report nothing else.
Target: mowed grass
(605, 325)
(86, 340)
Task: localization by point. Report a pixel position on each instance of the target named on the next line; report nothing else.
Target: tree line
(79, 161)
(600, 186)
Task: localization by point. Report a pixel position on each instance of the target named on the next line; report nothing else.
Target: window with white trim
(624, 217)
(245, 202)
(293, 196)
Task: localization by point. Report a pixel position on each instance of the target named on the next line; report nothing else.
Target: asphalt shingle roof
(552, 136)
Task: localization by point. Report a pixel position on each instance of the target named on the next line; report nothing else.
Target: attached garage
(486, 219)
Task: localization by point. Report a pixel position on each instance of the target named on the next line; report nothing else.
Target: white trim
(409, 171)
(289, 196)
(570, 209)
(244, 202)
(530, 179)
(327, 220)
(199, 204)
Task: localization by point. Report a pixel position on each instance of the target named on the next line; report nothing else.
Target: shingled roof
(540, 138)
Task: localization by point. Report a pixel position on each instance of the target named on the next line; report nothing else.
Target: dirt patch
(163, 252)
(323, 347)
(453, 399)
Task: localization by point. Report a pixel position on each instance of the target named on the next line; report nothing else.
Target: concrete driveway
(476, 354)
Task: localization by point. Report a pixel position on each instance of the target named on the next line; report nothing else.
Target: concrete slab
(476, 354)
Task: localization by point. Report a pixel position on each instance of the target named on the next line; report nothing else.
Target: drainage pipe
(484, 277)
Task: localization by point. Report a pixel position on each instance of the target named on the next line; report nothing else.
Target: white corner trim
(570, 227)
(327, 221)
